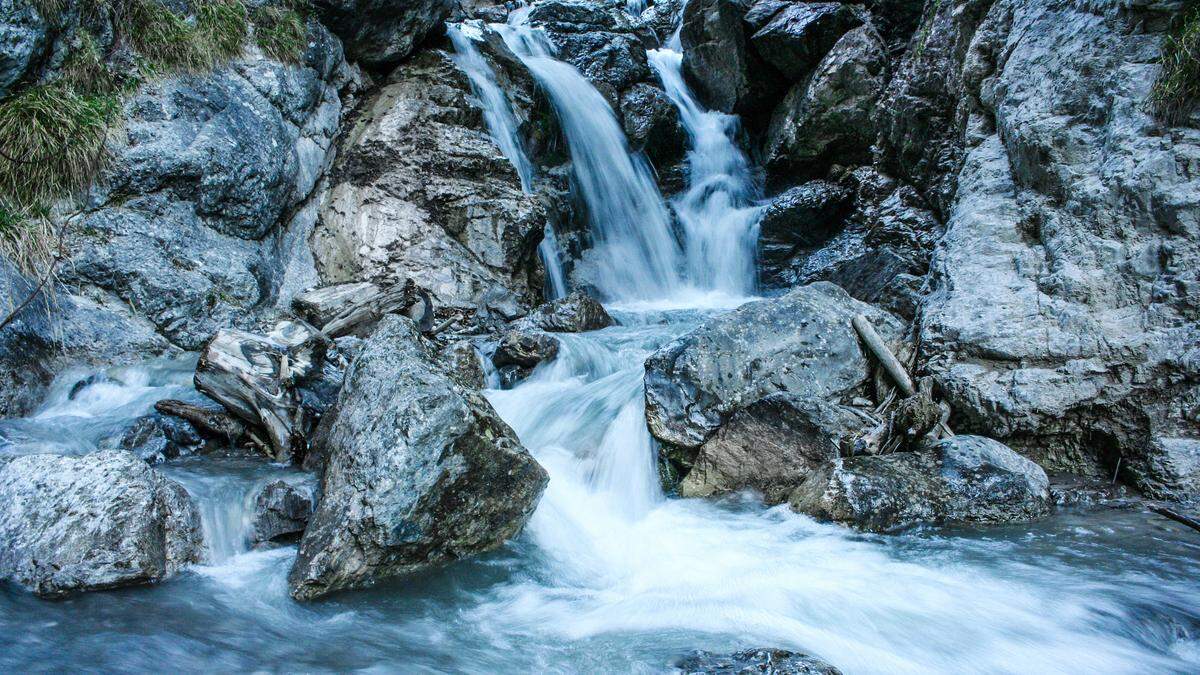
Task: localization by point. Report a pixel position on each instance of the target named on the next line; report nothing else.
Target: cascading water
(502, 125)
(635, 256)
(717, 211)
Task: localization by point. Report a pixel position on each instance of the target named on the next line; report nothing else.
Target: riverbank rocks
(771, 661)
(382, 32)
(801, 218)
(963, 479)
(801, 343)
(92, 522)
(575, 313)
(421, 191)
(796, 35)
(419, 472)
(282, 510)
(771, 446)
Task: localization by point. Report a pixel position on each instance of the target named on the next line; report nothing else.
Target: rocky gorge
(583, 335)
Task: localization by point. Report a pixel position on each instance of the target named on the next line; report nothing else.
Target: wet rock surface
(419, 472)
(282, 511)
(576, 313)
(963, 479)
(802, 217)
(774, 661)
(156, 438)
(796, 35)
(92, 522)
(801, 343)
(382, 32)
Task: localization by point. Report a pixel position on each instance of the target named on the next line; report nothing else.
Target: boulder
(771, 446)
(801, 343)
(800, 218)
(652, 125)
(461, 361)
(578, 312)
(421, 191)
(798, 34)
(419, 472)
(92, 522)
(962, 479)
(719, 63)
(382, 32)
(826, 118)
(520, 351)
(772, 661)
(157, 437)
(282, 511)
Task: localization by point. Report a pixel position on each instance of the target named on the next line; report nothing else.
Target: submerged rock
(92, 522)
(772, 445)
(962, 479)
(576, 313)
(419, 472)
(282, 510)
(769, 661)
(157, 438)
(801, 343)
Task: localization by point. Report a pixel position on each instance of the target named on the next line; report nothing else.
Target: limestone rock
(92, 522)
(719, 62)
(282, 510)
(963, 479)
(799, 218)
(798, 34)
(419, 472)
(801, 343)
(772, 445)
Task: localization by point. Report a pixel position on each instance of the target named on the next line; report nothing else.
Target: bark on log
(210, 423)
(359, 318)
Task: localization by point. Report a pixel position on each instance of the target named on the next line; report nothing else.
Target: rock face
(421, 191)
(719, 63)
(964, 479)
(23, 39)
(419, 472)
(282, 510)
(772, 445)
(93, 522)
(801, 343)
(185, 224)
(795, 37)
(382, 32)
(652, 124)
(576, 313)
(802, 217)
(827, 116)
(1063, 315)
(773, 661)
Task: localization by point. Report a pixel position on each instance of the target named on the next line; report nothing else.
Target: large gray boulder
(419, 471)
(827, 117)
(652, 125)
(420, 190)
(382, 32)
(575, 313)
(92, 522)
(801, 343)
(963, 479)
(771, 446)
(798, 219)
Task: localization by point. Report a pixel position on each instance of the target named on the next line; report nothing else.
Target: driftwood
(884, 355)
(209, 422)
(321, 305)
(360, 317)
(1175, 516)
(253, 377)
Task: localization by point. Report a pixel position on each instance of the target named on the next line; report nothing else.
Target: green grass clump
(52, 139)
(281, 32)
(1177, 88)
(169, 41)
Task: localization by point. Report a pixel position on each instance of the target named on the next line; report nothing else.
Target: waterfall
(635, 256)
(717, 211)
(502, 125)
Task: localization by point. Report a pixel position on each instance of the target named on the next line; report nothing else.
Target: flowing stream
(611, 575)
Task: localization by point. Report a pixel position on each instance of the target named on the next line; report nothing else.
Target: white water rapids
(611, 575)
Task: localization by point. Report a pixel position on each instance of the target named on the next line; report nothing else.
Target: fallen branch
(1175, 516)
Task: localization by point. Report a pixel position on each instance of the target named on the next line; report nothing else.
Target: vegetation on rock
(1178, 85)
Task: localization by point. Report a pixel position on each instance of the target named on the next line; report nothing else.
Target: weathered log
(1175, 516)
(359, 318)
(252, 376)
(209, 422)
(321, 305)
(884, 355)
